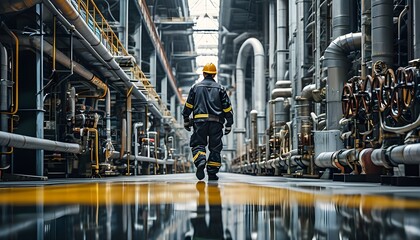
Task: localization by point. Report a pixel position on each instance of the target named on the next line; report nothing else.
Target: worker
(211, 109)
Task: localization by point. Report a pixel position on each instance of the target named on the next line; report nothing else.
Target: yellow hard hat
(209, 68)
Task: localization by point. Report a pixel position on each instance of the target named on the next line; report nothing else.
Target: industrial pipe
(7, 6)
(340, 17)
(404, 154)
(281, 38)
(382, 31)
(416, 34)
(260, 84)
(66, 62)
(335, 58)
(74, 18)
(20, 141)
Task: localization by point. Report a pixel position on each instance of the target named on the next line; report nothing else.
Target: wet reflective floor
(180, 207)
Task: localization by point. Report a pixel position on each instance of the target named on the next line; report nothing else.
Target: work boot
(213, 177)
(200, 170)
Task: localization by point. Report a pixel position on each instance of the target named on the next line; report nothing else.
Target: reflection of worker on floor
(214, 228)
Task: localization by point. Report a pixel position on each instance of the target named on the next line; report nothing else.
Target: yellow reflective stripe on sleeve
(188, 105)
(214, 164)
(201, 116)
(227, 109)
(197, 154)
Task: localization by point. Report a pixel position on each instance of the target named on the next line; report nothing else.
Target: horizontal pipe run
(26, 142)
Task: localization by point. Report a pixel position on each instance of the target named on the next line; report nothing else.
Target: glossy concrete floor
(180, 207)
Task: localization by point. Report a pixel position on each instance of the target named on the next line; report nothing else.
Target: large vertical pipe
(136, 145)
(341, 18)
(366, 36)
(40, 96)
(382, 31)
(271, 44)
(129, 125)
(153, 68)
(3, 101)
(281, 51)
(254, 127)
(124, 22)
(416, 26)
(292, 64)
(260, 84)
(164, 90)
(108, 116)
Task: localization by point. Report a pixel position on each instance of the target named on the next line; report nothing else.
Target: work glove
(187, 125)
(227, 130)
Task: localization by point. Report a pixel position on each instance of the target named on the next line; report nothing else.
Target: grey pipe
(7, 6)
(64, 60)
(136, 126)
(72, 102)
(260, 83)
(20, 141)
(405, 154)
(3, 99)
(108, 115)
(379, 159)
(382, 31)
(254, 140)
(341, 18)
(335, 58)
(271, 40)
(307, 92)
(416, 34)
(281, 38)
(74, 18)
(325, 160)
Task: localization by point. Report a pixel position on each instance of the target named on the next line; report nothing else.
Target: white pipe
(260, 83)
(20, 141)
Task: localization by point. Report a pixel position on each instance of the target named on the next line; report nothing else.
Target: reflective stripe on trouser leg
(198, 142)
(199, 154)
(215, 147)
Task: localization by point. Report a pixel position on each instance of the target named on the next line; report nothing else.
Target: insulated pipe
(325, 160)
(66, 62)
(307, 92)
(254, 127)
(7, 6)
(379, 159)
(341, 17)
(72, 103)
(20, 141)
(271, 41)
(74, 18)
(366, 162)
(281, 38)
(405, 154)
(3, 87)
(382, 31)
(416, 35)
(108, 115)
(335, 58)
(3, 99)
(260, 83)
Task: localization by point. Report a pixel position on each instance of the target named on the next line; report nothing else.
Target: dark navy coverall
(210, 106)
